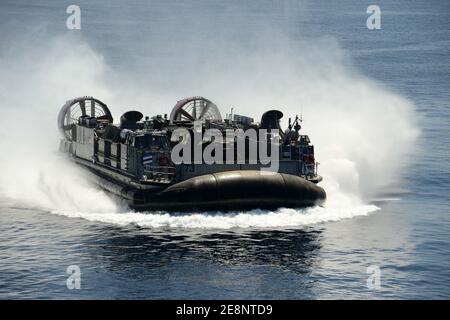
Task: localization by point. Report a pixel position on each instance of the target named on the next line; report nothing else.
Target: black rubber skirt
(230, 190)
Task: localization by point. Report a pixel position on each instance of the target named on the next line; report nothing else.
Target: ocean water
(375, 104)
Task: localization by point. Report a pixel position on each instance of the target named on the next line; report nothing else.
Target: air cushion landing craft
(132, 159)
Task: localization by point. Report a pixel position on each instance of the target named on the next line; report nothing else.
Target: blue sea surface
(408, 239)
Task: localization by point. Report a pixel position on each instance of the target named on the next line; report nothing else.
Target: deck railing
(159, 173)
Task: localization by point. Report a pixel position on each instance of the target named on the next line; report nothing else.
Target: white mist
(362, 131)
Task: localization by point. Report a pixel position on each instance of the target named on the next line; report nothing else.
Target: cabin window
(159, 141)
(139, 142)
(151, 141)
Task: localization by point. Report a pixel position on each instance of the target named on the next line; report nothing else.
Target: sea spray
(362, 132)
(261, 219)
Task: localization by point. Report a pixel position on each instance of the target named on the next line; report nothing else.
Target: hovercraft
(134, 159)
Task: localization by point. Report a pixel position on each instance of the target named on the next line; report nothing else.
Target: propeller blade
(204, 110)
(68, 127)
(194, 110)
(186, 114)
(92, 108)
(83, 107)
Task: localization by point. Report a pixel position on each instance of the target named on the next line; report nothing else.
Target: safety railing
(159, 173)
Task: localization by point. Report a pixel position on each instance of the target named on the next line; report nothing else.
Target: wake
(259, 219)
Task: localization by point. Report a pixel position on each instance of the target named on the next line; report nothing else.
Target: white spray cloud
(362, 132)
(34, 85)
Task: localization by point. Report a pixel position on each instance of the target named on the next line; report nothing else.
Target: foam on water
(283, 217)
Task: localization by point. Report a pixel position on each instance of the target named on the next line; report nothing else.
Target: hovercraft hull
(223, 191)
(133, 159)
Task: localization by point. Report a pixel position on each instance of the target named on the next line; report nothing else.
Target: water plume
(362, 131)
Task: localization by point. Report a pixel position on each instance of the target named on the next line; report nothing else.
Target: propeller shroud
(73, 109)
(194, 109)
